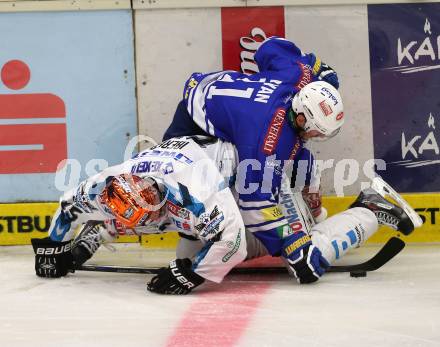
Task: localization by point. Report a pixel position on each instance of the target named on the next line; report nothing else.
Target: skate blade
(383, 188)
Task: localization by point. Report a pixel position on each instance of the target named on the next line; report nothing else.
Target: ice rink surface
(398, 305)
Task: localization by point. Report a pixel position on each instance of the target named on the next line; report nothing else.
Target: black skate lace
(387, 219)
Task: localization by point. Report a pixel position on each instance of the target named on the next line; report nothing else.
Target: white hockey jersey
(193, 173)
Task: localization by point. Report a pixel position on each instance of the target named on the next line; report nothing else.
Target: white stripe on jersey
(255, 203)
(196, 101)
(211, 129)
(267, 227)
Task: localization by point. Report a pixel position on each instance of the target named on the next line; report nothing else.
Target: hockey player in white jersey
(178, 182)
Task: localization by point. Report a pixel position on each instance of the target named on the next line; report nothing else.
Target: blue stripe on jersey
(62, 226)
(201, 255)
(187, 201)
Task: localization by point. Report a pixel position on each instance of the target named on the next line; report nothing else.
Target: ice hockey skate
(400, 216)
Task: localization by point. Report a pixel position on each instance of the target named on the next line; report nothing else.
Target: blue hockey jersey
(251, 112)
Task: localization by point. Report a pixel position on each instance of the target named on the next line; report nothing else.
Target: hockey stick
(386, 253)
(393, 247)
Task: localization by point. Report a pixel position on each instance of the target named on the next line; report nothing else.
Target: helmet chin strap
(291, 117)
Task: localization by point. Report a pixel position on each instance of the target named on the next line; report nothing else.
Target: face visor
(132, 200)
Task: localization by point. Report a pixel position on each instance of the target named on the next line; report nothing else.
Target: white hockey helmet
(322, 107)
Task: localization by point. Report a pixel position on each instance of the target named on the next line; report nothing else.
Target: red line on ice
(219, 317)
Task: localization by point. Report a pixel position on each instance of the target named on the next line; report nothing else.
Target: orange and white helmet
(132, 200)
(322, 107)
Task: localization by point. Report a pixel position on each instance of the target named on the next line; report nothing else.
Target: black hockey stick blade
(387, 252)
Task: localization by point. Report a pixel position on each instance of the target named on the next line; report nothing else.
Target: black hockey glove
(324, 72)
(52, 259)
(178, 278)
(304, 259)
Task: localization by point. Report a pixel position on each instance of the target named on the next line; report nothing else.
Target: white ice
(398, 305)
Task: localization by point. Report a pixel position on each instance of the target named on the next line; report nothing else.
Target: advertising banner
(67, 91)
(241, 38)
(405, 83)
(37, 142)
(19, 223)
(426, 205)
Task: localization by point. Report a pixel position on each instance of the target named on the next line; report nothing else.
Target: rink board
(21, 222)
(79, 103)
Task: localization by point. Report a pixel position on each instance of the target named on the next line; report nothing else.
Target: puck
(358, 274)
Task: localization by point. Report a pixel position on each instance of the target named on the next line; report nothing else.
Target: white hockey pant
(334, 236)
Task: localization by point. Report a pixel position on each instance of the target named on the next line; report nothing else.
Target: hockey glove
(178, 278)
(324, 72)
(52, 259)
(303, 258)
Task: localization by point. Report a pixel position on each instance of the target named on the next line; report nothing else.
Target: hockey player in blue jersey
(268, 116)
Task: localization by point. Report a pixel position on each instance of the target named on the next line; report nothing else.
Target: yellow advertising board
(21, 222)
(426, 205)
